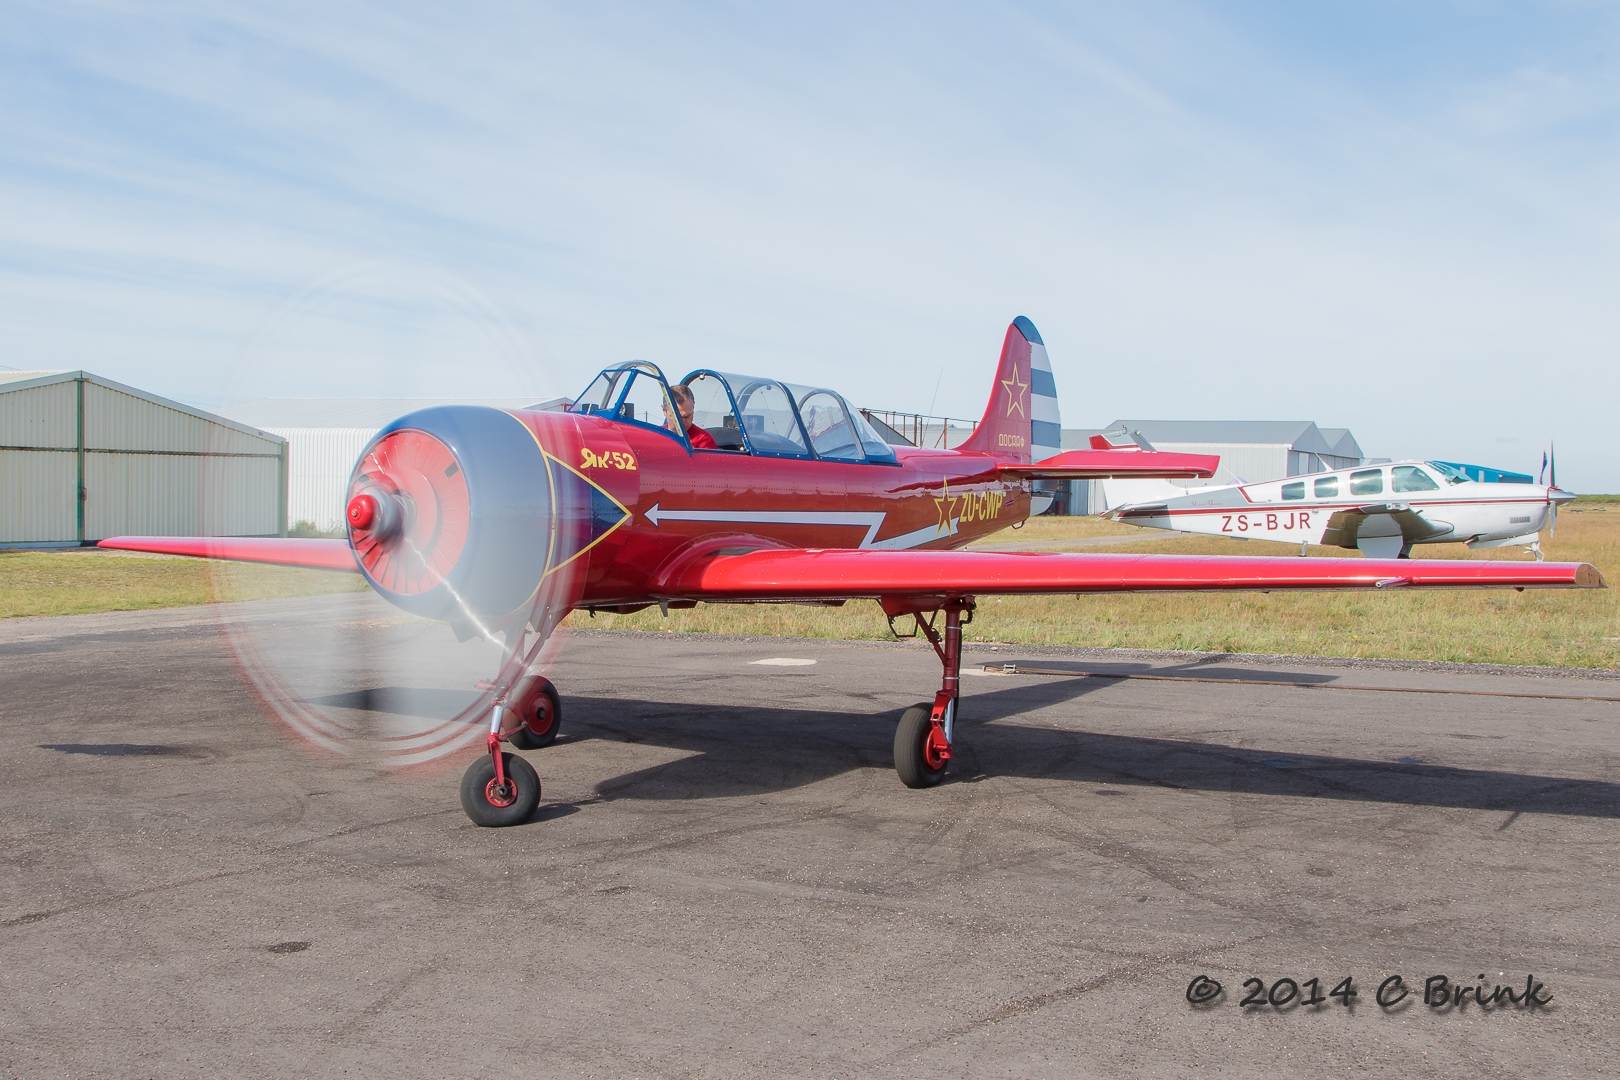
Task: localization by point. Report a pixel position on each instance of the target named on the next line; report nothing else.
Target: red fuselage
(684, 503)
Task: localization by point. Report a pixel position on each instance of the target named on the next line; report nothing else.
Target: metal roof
(1344, 444)
(1301, 435)
(356, 412)
(15, 381)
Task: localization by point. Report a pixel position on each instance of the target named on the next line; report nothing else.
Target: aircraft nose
(1560, 496)
(378, 513)
(450, 514)
(362, 511)
(408, 512)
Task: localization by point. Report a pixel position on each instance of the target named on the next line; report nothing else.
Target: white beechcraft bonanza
(1381, 509)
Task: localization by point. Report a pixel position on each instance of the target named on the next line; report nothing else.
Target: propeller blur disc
(400, 665)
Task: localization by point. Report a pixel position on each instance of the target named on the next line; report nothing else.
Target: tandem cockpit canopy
(742, 413)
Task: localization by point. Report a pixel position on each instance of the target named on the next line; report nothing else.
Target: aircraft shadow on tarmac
(748, 749)
(417, 701)
(752, 749)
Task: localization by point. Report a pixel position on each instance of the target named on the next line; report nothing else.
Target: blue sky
(1398, 218)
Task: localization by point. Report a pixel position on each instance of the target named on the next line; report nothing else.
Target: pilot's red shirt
(701, 440)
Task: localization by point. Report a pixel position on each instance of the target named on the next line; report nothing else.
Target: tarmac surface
(725, 878)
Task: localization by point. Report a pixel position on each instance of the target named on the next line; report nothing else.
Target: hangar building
(1251, 451)
(325, 437)
(83, 458)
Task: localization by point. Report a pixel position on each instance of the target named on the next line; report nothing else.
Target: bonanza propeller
(739, 489)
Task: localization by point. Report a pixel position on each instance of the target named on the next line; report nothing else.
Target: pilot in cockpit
(700, 439)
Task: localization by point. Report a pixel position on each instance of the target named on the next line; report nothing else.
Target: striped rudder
(1021, 422)
(1046, 435)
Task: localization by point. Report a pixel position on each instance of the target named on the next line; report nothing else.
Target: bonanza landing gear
(922, 742)
(500, 788)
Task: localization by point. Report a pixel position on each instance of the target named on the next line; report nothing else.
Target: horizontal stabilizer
(278, 551)
(1118, 463)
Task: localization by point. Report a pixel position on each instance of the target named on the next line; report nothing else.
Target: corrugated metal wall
(1254, 463)
(148, 468)
(165, 495)
(44, 416)
(38, 465)
(319, 463)
(36, 496)
(1246, 463)
(118, 421)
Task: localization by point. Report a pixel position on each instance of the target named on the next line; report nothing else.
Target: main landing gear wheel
(496, 805)
(535, 700)
(916, 758)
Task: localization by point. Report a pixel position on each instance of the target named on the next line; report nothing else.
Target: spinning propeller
(1556, 496)
(468, 532)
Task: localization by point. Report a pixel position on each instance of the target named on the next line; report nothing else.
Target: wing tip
(1588, 576)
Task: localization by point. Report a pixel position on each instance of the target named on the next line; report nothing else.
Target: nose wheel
(495, 800)
(501, 788)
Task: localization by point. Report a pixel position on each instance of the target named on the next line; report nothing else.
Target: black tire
(910, 758)
(481, 801)
(546, 704)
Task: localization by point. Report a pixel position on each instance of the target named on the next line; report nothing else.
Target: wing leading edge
(797, 574)
(279, 551)
(801, 574)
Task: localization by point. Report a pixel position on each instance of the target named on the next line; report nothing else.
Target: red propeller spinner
(408, 512)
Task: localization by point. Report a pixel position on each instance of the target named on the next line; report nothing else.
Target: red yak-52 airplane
(502, 522)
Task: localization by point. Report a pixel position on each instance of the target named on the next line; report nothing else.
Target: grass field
(1564, 628)
(84, 580)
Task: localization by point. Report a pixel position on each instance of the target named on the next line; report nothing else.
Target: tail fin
(1021, 423)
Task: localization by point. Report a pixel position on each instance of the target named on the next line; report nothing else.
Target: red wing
(797, 574)
(311, 554)
(1116, 463)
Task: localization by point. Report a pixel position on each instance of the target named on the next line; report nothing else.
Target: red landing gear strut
(503, 788)
(922, 742)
